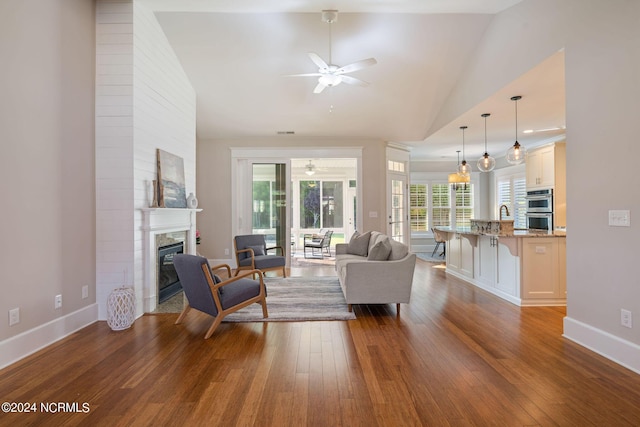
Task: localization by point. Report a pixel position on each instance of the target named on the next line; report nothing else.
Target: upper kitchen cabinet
(546, 168)
(543, 165)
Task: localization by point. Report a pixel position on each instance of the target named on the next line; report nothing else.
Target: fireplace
(164, 227)
(168, 281)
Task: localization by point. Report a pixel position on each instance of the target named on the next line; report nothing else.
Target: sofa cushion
(359, 244)
(376, 236)
(380, 251)
(398, 250)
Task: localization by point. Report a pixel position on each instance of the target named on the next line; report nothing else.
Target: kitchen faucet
(505, 208)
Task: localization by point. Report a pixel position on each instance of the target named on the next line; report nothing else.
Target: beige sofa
(366, 278)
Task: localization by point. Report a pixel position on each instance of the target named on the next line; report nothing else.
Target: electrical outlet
(626, 318)
(85, 292)
(58, 301)
(14, 316)
(226, 251)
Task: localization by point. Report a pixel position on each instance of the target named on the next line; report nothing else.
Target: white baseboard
(614, 348)
(22, 345)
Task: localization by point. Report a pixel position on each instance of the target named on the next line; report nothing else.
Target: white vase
(192, 202)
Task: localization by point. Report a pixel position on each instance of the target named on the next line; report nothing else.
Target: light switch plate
(620, 218)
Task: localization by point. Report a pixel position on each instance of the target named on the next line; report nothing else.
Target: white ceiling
(237, 55)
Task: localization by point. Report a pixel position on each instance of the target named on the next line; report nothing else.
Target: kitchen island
(524, 267)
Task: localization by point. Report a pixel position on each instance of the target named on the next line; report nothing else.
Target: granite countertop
(514, 233)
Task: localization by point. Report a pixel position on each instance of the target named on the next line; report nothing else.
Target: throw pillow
(257, 250)
(359, 244)
(380, 251)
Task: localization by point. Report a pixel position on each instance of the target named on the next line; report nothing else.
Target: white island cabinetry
(460, 254)
(526, 269)
(543, 270)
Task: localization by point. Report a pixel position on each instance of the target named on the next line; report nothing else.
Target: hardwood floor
(456, 356)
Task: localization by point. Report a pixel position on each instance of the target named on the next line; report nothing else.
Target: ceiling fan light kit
(486, 163)
(516, 153)
(330, 75)
(310, 169)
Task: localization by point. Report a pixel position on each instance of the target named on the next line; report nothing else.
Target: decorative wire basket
(121, 308)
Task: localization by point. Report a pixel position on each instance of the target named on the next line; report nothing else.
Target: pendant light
(515, 154)
(464, 169)
(486, 163)
(455, 179)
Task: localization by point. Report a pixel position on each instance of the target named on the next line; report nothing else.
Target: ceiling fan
(328, 74)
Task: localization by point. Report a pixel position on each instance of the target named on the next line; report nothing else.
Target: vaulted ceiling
(237, 55)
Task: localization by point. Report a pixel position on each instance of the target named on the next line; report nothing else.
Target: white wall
(144, 102)
(46, 170)
(602, 69)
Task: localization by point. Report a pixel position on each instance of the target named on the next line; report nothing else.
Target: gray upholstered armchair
(206, 292)
(251, 253)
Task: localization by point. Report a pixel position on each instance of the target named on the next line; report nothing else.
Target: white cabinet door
(453, 252)
(466, 257)
(507, 271)
(540, 268)
(486, 261)
(460, 255)
(541, 168)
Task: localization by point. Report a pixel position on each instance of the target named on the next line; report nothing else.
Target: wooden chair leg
(284, 272)
(213, 326)
(263, 302)
(398, 308)
(183, 314)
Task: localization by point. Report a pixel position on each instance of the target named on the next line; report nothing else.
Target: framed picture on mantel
(171, 188)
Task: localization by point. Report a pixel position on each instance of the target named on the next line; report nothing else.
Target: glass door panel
(269, 203)
(397, 213)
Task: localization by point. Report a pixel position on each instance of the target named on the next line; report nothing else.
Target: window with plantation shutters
(464, 205)
(440, 206)
(418, 207)
(437, 204)
(511, 191)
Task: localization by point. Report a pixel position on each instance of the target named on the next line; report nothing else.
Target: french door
(397, 207)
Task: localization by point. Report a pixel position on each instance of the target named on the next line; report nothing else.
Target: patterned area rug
(427, 257)
(294, 299)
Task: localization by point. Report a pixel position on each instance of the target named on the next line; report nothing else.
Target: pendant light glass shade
(464, 169)
(517, 153)
(486, 163)
(458, 180)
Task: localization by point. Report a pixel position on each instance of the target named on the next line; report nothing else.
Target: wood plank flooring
(456, 356)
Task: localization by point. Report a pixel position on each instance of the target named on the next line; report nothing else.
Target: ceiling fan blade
(304, 75)
(356, 66)
(319, 88)
(353, 81)
(318, 61)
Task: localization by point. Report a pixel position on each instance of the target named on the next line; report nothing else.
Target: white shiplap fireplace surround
(144, 102)
(159, 221)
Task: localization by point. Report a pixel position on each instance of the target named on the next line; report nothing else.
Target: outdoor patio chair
(318, 242)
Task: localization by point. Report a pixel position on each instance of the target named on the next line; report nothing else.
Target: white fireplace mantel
(160, 221)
